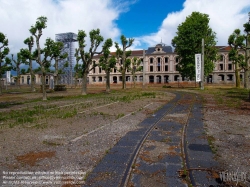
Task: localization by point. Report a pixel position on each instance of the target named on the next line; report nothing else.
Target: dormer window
(158, 48)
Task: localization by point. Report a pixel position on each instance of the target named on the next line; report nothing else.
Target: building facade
(160, 67)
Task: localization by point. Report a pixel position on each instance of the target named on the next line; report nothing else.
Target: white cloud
(225, 16)
(17, 16)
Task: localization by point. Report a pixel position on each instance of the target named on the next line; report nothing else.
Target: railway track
(168, 149)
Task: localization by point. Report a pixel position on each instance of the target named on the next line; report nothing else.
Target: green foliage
(106, 62)
(122, 54)
(187, 43)
(5, 62)
(86, 57)
(236, 41)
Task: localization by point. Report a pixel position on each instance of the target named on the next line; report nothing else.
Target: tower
(68, 40)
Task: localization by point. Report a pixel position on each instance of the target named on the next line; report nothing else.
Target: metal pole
(144, 70)
(202, 65)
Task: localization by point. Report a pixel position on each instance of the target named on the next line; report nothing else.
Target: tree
(16, 67)
(55, 52)
(123, 55)
(247, 55)
(87, 57)
(187, 43)
(136, 66)
(107, 62)
(5, 62)
(236, 41)
(36, 31)
(27, 55)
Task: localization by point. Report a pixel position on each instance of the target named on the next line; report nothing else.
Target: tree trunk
(1, 91)
(123, 79)
(237, 75)
(84, 83)
(43, 85)
(107, 81)
(247, 57)
(56, 72)
(134, 80)
(246, 78)
(76, 81)
(18, 77)
(32, 81)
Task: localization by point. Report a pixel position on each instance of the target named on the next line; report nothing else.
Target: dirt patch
(32, 157)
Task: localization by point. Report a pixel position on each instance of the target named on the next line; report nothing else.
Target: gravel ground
(74, 143)
(229, 131)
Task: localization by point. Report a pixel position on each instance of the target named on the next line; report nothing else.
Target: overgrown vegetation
(229, 97)
(39, 116)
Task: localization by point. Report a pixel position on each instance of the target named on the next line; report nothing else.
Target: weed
(86, 176)
(165, 86)
(211, 140)
(120, 115)
(46, 142)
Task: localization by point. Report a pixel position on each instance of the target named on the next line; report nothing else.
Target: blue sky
(147, 21)
(146, 16)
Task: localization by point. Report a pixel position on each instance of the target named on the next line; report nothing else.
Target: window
(141, 61)
(177, 59)
(93, 70)
(221, 67)
(151, 69)
(141, 78)
(176, 67)
(159, 60)
(166, 59)
(166, 68)
(221, 58)
(141, 68)
(100, 70)
(114, 70)
(151, 60)
(158, 68)
(230, 67)
(94, 80)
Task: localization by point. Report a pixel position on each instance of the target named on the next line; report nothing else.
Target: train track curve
(168, 149)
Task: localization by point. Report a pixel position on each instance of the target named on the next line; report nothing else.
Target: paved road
(169, 149)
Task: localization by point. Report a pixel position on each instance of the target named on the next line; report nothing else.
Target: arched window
(166, 59)
(177, 60)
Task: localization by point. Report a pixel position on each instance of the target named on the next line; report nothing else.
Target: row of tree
(53, 52)
(187, 43)
(43, 56)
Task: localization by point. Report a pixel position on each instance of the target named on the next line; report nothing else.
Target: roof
(166, 49)
(223, 48)
(133, 53)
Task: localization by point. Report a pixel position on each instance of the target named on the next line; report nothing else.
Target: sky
(148, 22)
